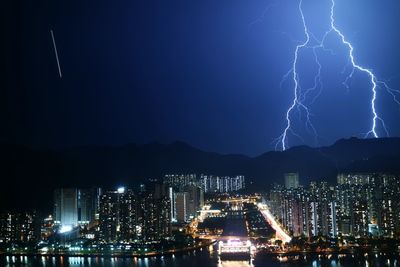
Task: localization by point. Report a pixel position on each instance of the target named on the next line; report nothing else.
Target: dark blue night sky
(205, 72)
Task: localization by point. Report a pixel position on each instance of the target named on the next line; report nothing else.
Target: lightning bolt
(371, 75)
(300, 96)
(296, 99)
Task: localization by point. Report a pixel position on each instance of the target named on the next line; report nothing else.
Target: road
(280, 233)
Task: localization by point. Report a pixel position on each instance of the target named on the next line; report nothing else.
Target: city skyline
(128, 165)
(200, 133)
(292, 218)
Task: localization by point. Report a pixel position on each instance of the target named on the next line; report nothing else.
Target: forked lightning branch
(378, 126)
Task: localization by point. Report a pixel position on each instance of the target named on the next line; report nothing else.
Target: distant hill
(28, 176)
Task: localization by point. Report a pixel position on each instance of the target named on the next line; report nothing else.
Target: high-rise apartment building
(368, 204)
(127, 217)
(182, 206)
(222, 184)
(291, 180)
(179, 181)
(73, 206)
(117, 216)
(185, 194)
(66, 206)
(305, 212)
(19, 227)
(360, 205)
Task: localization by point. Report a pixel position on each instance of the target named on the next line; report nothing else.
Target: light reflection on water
(200, 258)
(235, 264)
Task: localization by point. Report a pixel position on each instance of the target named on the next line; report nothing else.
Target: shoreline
(327, 253)
(110, 255)
(261, 253)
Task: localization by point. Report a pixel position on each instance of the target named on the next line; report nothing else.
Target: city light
(121, 190)
(271, 220)
(65, 229)
(233, 246)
